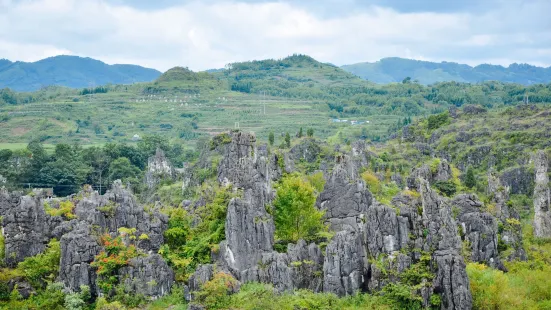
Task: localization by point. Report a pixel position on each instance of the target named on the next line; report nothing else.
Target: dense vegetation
(393, 69)
(262, 96)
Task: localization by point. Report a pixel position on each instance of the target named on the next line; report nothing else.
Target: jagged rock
(158, 168)
(118, 208)
(344, 198)
(451, 279)
(345, 265)
(147, 275)
(307, 150)
(24, 288)
(249, 233)
(27, 228)
(519, 180)
(202, 274)
(299, 268)
(473, 109)
(443, 172)
(542, 197)
(480, 229)
(511, 234)
(385, 232)
(78, 250)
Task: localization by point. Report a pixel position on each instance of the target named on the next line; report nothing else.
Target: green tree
(470, 179)
(271, 138)
(121, 168)
(310, 132)
(300, 133)
(295, 215)
(287, 140)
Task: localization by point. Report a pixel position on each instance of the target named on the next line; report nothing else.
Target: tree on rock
(271, 138)
(295, 215)
(470, 179)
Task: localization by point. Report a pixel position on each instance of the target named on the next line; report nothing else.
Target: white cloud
(209, 35)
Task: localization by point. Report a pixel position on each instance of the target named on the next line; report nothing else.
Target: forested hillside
(391, 70)
(262, 96)
(69, 71)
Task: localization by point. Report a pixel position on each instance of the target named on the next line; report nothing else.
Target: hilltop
(69, 71)
(394, 69)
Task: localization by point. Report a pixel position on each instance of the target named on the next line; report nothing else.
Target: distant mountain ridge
(394, 69)
(69, 71)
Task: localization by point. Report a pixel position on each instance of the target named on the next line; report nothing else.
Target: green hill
(394, 69)
(69, 71)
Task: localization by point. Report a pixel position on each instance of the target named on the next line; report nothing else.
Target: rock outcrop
(158, 168)
(345, 197)
(27, 228)
(542, 196)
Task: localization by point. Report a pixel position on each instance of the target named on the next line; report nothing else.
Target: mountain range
(69, 71)
(80, 72)
(394, 69)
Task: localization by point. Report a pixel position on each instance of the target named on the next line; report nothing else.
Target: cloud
(210, 34)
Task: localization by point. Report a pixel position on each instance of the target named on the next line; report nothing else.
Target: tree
(121, 168)
(271, 138)
(310, 132)
(295, 215)
(287, 140)
(300, 133)
(470, 179)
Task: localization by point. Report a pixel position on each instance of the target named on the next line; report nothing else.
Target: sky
(209, 34)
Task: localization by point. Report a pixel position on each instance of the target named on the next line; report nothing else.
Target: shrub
(215, 294)
(42, 267)
(447, 188)
(295, 215)
(65, 209)
(110, 260)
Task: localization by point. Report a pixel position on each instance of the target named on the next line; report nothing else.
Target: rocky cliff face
(542, 196)
(158, 168)
(28, 228)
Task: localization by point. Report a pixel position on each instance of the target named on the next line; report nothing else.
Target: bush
(109, 261)
(65, 209)
(447, 188)
(215, 294)
(295, 215)
(43, 267)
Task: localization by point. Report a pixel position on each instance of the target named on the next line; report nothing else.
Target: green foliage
(186, 246)
(295, 215)
(122, 169)
(317, 181)
(310, 132)
(470, 178)
(383, 192)
(115, 256)
(287, 140)
(446, 188)
(437, 121)
(271, 138)
(43, 267)
(66, 209)
(78, 301)
(215, 294)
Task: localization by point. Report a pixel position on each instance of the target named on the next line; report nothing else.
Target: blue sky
(211, 33)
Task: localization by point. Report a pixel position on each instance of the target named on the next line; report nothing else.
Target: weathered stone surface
(511, 234)
(452, 281)
(345, 265)
(519, 180)
(479, 228)
(542, 196)
(385, 232)
(158, 168)
(27, 228)
(451, 277)
(118, 208)
(78, 249)
(345, 199)
(249, 233)
(147, 275)
(443, 172)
